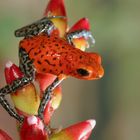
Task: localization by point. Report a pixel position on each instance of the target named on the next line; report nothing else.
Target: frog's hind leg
(43, 25)
(48, 93)
(8, 108)
(46, 98)
(28, 77)
(78, 34)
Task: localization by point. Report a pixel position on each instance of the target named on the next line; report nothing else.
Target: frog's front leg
(78, 34)
(28, 70)
(8, 89)
(43, 25)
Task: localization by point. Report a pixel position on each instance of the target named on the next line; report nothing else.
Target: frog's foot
(78, 34)
(43, 25)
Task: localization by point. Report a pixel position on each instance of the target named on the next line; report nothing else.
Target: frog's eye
(82, 72)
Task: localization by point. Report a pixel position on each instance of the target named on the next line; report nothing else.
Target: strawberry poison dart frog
(42, 51)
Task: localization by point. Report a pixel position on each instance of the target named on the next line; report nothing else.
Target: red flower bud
(4, 136)
(81, 43)
(25, 99)
(12, 72)
(45, 80)
(80, 131)
(57, 8)
(82, 24)
(33, 129)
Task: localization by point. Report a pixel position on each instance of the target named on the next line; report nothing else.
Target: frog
(43, 51)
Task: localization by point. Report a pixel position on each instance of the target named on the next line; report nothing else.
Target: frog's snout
(92, 69)
(100, 72)
(97, 69)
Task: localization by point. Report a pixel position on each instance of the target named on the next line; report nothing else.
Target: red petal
(55, 8)
(12, 72)
(48, 112)
(80, 131)
(45, 80)
(82, 24)
(33, 129)
(4, 136)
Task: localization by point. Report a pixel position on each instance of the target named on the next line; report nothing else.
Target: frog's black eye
(82, 72)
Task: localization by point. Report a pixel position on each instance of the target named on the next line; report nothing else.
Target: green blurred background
(114, 101)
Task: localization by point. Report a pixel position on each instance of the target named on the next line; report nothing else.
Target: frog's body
(51, 54)
(41, 51)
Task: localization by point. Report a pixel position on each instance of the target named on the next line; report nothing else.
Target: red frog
(51, 54)
(42, 51)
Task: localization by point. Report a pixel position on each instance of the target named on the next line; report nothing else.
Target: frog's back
(48, 53)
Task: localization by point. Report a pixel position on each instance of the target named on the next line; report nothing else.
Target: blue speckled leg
(43, 25)
(26, 63)
(47, 96)
(78, 34)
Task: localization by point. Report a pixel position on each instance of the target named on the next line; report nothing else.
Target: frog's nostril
(82, 72)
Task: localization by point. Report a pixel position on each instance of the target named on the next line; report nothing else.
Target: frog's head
(89, 68)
